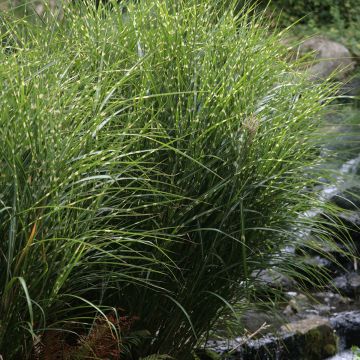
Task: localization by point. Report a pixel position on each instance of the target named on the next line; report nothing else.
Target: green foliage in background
(320, 11)
(150, 161)
(337, 19)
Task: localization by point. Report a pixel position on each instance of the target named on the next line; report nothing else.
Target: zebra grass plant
(151, 160)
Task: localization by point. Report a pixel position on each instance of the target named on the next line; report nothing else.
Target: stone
(297, 304)
(348, 199)
(206, 354)
(354, 282)
(334, 300)
(347, 326)
(352, 222)
(319, 263)
(342, 285)
(348, 284)
(253, 320)
(350, 88)
(309, 339)
(291, 308)
(330, 58)
(345, 229)
(303, 326)
(55, 7)
(274, 279)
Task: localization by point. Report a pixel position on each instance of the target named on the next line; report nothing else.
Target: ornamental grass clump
(151, 160)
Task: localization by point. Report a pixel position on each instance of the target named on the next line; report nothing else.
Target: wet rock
(274, 279)
(342, 285)
(315, 271)
(345, 228)
(319, 261)
(206, 354)
(320, 309)
(299, 303)
(352, 223)
(344, 135)
(326, 303)
(348, 284)
(351, 166)
(291, 308)
(308, 339)
(334, 300)
(347, 326)
(253, 321)
(316, 336)
(350, 88)
(330, 57)
(54, 6)
(321, 265)
(268, 348)
(348, 199)
(354, 282)
(337, 263)
(301, 306)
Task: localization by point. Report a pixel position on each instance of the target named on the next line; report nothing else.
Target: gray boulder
(348, 284)
(349, 199)
(347, 326)
(330, 58)
(312, 338)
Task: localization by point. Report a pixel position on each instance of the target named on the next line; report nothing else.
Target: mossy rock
(206, 354)
(314, 339)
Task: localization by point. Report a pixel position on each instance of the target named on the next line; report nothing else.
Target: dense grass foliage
(150, 161)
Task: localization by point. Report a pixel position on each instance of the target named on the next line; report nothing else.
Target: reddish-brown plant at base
(104, 341)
